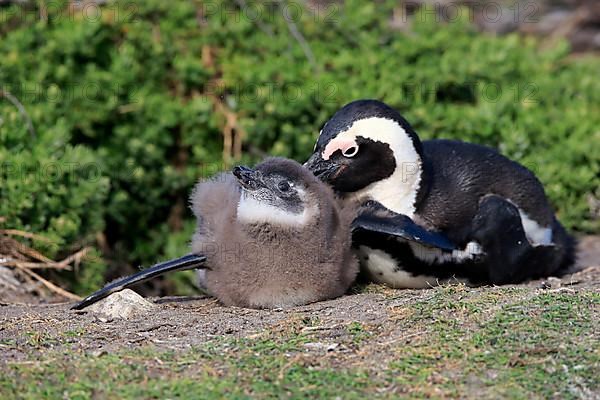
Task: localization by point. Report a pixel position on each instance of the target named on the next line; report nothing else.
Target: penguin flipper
(376, 218)
(187, 262)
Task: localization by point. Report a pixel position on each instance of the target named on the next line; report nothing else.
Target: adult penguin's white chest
(382, 266)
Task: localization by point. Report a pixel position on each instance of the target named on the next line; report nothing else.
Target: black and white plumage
(268, 237)
(492, 209)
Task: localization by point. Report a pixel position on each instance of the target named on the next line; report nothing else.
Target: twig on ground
(34, 265)
(25, 259)
(321, 328)
(28, 235)
(49, 264)
(51, 286)
(75, 257)
(27, 251)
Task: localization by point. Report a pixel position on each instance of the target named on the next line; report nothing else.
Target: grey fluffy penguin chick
(266, 238)
(274, 236)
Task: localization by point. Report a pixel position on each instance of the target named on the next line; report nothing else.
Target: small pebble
(120, 305)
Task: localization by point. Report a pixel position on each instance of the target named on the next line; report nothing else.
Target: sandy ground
(178, 323)
(536, 340)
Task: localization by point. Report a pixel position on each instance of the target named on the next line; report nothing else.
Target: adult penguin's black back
(460, 175)
(494, 209)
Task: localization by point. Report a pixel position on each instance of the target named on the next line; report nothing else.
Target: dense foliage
(132, 102)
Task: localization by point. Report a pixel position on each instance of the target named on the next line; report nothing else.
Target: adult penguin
(492, 209)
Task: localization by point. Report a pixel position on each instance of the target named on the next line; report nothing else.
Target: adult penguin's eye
(283, 186)
(350, 151)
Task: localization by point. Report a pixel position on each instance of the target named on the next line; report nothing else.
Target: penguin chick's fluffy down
(273, 237)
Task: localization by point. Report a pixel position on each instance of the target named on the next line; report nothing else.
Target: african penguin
(268, 237)
(493, 209)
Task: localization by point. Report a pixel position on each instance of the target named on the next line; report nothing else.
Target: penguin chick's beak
(247, 177)
(325, 170)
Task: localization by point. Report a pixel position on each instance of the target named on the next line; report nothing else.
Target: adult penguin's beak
(322, 169)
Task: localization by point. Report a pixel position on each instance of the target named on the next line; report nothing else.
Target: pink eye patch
(343, 144)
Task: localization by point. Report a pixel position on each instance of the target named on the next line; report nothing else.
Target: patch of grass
(358, 332)
(75, 333)
(239, 369)
(462, 342)
(40, 339)
(541, 345)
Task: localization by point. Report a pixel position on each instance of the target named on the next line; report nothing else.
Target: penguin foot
(497, 227)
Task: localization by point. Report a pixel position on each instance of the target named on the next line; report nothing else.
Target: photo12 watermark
(269, 12)
(517, 12)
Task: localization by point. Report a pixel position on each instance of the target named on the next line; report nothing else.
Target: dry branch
(233, 133)
(28, 235)
(50, 285)
(14, 254)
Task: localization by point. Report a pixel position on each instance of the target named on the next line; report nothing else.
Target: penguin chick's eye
(350, 151)
(283, 186)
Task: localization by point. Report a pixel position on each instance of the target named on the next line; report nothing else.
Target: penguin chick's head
(278, 191)
(367, 148)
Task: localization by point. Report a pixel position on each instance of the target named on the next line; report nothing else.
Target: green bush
(123, 98)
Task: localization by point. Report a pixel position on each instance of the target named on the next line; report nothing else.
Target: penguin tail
(569, 247)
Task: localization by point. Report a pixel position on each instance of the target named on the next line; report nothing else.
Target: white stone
(120, 305)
